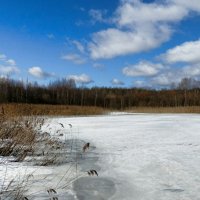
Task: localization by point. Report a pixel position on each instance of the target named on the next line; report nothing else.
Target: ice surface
(138, 156)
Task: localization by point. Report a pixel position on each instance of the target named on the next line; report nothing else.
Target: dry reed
(50, 110)
(185, 109)
(86, 146)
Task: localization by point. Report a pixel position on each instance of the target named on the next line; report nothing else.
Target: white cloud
(11, 62)
(81, 79)
(117, 82)
(75, 58)
(193, 5)
(97, 15)
(166, 78)
(191, 71)
(75, 45)
(39, 73)
(7, 66)
(139, 83)
(79, 46)
(7, 61)
(115, 42)
(139, 27)
(142, 69)
(8, 70)
(187, 52)
(98, 65)
(3, 57)
(136, 12)
(3, 76)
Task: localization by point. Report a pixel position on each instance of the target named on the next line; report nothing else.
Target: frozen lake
(137, 156)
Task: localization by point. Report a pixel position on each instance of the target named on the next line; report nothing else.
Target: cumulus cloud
(139, 27)
(115, 81)
(75, 58)
(75, 45)
(114, 42)
(191, 5)
(136, 12)
(81, 79)
(191, 71)
(7, 66)
(79, 46)
(11, 62)
(139, 83)
(166, 79)
(98, 65)
(97, 15)
(143, 68)
(3, 57)
(39, 73)
(162, 75)
(7, 61)
(187, 52)
(175, 75)
(8, 70)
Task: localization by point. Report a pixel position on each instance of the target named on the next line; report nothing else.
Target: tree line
(65, 92)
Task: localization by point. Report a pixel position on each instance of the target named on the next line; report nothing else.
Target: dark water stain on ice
(90, 188)
(173, 190)
(85, 160)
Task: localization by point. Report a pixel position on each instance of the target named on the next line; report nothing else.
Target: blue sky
(115, 43)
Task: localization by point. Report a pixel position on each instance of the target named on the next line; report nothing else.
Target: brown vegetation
(182, 109)
(63, 110)
(92, 172)
(13, 109)
(17, 136)
(22, 140)
(86, 146)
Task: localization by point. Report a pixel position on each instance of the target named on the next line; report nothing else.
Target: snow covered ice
(137, 156)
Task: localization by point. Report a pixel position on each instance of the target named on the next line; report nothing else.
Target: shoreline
(14, 109)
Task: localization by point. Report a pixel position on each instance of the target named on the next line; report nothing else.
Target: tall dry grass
(22, 140)
(21, 137)
(51, 110)
(186, 109)
(17, 135)
(65, 110)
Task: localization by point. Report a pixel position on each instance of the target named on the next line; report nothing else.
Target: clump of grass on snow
(23, 140)
(18, 136)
